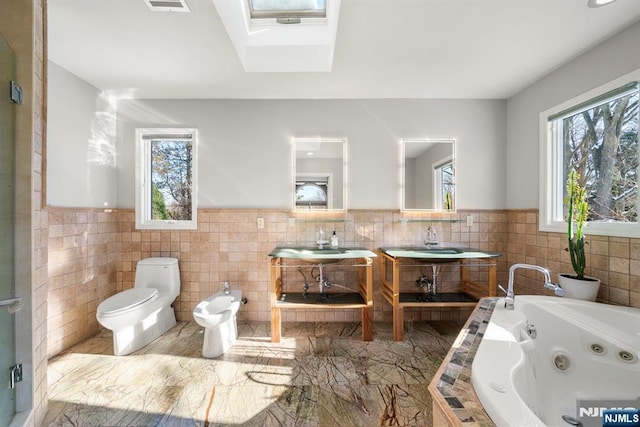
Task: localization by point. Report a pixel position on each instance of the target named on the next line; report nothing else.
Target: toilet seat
(126, 300)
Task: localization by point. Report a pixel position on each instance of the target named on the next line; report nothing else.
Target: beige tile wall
(614, 260)
(82, 272)
(229, 246)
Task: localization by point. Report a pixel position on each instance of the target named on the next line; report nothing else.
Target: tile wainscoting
(83, 251)
(93, 254)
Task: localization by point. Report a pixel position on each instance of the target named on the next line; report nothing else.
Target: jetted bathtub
(537, 362)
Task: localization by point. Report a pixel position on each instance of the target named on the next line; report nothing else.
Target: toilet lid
(127, 299)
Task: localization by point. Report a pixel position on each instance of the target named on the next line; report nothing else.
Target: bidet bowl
(218, 308)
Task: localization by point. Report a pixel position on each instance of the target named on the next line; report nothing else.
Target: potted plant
(578, 285)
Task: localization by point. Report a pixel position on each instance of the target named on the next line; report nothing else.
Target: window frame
(143, 204)
(438, 183)
(274, 14)
(551, 181)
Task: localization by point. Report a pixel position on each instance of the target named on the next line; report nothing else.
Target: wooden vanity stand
(468, 297)
(282, 299)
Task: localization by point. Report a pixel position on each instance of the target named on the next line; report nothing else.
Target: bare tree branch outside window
(171, 178)
(601, 144)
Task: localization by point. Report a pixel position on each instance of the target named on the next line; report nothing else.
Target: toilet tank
(160, 273)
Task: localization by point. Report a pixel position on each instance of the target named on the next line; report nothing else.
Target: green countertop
(306, 252)
(439, 253)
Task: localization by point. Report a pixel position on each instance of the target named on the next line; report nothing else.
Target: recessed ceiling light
(598, 3)
(310, 153)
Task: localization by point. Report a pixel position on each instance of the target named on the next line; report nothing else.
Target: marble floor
(320, 374)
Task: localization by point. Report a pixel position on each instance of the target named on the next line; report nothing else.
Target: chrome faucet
(227, 288)
(510, 294)
(432, 237)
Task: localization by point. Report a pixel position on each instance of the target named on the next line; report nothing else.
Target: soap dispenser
(334, 240)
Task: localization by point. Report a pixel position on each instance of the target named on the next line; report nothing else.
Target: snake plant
(578, 210)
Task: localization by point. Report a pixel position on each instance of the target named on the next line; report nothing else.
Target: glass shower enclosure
(9, 303)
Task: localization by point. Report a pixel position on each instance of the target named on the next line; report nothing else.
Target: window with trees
(444, 185)
(598, 138)
(166, 179)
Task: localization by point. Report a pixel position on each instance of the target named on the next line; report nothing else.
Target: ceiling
(484, 49)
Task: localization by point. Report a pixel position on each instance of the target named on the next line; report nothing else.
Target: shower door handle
(12, 304)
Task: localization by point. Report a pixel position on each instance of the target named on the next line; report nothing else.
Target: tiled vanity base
(455, 402)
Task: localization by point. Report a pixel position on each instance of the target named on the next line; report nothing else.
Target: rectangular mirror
(319, 174)
(428, 175)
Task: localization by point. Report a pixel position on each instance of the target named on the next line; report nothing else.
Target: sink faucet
(432, 237)
(510, 295)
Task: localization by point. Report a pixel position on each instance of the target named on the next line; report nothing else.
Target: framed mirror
(428, 175)
(320, 171)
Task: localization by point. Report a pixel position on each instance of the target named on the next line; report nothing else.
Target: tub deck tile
(454, 381)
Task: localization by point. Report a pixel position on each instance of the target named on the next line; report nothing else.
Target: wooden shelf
(471, 291)
(317, 300)
(361, 298)
(446, 299)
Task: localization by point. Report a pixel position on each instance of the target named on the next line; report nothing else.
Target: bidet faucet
(432, 237)
(227, 288)
(510, 297)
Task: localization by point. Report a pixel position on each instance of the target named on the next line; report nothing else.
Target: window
(596, 135)
(444, 185)
(166, 179)
(283, 9)
(314, 192)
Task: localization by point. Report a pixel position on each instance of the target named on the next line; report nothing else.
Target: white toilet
(139, 315)
(217, 314)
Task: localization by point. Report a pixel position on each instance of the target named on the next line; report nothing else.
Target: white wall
(245, 158)
(80, 143)
(611, 59)
(245, 146)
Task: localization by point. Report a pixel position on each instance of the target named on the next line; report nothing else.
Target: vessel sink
(313, 256)
(438, 250)
(435, 255)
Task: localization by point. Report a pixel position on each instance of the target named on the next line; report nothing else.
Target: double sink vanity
(299, 280)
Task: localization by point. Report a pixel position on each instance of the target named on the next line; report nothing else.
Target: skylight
(263, 45)
(261, 9)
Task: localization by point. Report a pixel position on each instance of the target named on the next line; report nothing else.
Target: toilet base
(132, 338)
(218, 339)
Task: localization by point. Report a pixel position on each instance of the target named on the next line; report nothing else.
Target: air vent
(168, 5)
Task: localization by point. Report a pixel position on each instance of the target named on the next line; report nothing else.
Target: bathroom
(85, 245)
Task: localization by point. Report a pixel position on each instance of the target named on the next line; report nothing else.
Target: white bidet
(217, 314)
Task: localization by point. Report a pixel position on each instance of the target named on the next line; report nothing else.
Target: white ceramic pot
(585, 289)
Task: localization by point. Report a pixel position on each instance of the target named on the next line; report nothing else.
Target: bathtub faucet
(555, 288)
(510, 298)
